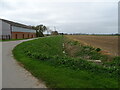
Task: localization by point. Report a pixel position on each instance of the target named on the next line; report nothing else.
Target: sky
(68, 16)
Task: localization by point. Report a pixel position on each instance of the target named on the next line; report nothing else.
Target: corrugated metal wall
(0, 29)
(19, 29)
(5, 28)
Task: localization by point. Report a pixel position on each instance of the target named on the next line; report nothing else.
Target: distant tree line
(89, 34)
(54, 33)
(42, 28)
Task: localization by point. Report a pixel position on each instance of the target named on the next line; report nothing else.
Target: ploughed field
(108, 44)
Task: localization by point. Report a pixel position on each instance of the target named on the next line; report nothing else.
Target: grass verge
(13, 39)
(45, 60)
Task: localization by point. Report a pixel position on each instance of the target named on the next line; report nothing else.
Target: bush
(98, 49)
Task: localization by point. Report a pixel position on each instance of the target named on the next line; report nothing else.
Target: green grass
(13, 39)
(44, 59)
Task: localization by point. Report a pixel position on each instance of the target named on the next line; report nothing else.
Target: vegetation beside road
(13, 39)
(77, 50)
(45, 59)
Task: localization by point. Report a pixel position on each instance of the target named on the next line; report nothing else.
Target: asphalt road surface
(14, 75)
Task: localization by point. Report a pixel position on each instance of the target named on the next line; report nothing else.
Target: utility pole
(54, 28)
(47, 31)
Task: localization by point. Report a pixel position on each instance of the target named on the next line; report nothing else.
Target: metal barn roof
(16, 24)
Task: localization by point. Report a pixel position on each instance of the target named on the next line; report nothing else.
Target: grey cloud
(89, 17)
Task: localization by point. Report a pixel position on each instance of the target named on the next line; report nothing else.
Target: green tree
(39, 30)
(42, 28)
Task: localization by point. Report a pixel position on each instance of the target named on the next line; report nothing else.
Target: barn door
(15, 36)
(23, 36)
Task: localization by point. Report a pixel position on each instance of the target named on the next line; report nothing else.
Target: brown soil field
(108, 44)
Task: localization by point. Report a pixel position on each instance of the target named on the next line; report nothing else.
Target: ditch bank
(45, 59)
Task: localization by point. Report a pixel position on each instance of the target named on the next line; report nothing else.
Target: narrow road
(14, 75)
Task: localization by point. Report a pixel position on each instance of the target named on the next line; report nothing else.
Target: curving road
(14, 75)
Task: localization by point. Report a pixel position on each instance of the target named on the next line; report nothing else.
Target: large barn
(13, 30)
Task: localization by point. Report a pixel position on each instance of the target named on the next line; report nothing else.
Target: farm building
(13, 30)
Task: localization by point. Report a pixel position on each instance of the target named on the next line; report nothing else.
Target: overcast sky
(71, 16)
